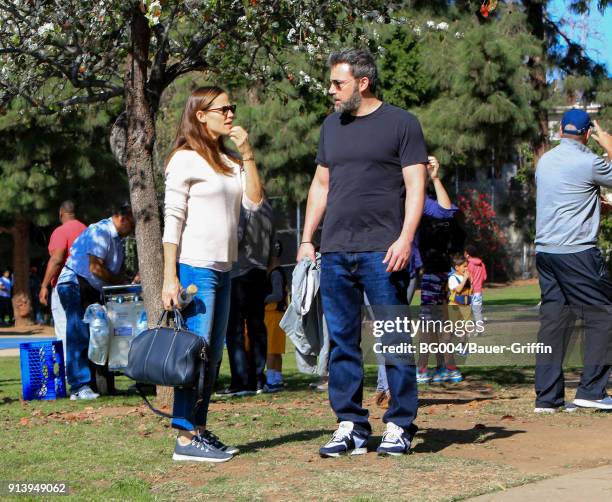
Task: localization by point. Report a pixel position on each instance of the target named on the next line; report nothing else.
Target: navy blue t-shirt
(365, 156)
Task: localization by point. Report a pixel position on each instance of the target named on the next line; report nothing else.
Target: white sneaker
(345, 441)
(600, 404)
(394, 442)
(545, 411)
(567, 408)
(84, 393)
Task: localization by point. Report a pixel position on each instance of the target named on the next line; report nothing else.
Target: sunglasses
(339, 84)
(223, 109)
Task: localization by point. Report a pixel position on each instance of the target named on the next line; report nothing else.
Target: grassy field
(115, 449)
(473, 440)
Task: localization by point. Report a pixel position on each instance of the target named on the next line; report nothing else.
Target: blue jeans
(344, 278)
(77, 336)
(206, 316)
(382, 385)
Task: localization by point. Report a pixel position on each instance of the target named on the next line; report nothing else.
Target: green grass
(115, 449)
(524, 294)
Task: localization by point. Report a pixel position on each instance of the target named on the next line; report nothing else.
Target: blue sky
(595, 31)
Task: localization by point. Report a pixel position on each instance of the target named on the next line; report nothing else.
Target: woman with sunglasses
(206, 183)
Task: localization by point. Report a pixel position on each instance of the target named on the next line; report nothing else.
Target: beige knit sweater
(202, 209)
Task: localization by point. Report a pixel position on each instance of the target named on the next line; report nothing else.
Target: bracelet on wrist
(248, 159)
(305, 242)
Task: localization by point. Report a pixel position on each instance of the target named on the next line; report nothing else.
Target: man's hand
(398, 255)
(136, 279)
(43, 296)
(306, 250)
(602, 137)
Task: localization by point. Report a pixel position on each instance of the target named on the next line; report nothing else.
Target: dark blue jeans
(344, 278)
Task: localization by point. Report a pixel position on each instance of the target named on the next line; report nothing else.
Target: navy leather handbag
(170, 357)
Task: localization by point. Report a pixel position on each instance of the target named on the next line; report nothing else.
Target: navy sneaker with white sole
(345, 441)
(394, 441)
(199, 450)
(214, 440)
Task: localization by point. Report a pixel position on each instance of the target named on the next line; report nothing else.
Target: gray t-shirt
(365, 156)
(568, 207)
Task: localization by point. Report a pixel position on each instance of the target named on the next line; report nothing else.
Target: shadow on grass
(296, 437)
(435, 440)
(501, 375)
(8, 400)
(445, 400)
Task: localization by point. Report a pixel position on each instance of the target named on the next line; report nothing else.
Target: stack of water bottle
(101, 327)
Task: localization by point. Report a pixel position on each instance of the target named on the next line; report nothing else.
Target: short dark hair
(361, 62)
(458, 259)
(68, 207)
(122, 209)
(471, 250)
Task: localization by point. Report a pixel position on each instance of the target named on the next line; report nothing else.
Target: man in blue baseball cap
(572, 272)
(575, 122)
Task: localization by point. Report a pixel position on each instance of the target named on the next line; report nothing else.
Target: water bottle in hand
(186, 295)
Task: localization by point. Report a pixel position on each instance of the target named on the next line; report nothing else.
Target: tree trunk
(22, 303)
(139, 164)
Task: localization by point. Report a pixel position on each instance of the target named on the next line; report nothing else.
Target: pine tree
(43, 161)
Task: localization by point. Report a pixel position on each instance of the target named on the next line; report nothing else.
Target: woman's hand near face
(241, 139)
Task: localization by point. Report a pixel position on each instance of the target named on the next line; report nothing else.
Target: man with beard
(370, 184)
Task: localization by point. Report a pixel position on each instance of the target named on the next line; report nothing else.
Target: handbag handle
(179, 323)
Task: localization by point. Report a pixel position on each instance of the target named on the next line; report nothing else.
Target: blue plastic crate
(42, 370)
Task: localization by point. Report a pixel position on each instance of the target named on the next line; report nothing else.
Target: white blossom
(153, 13)
(430, 24)
(44, 29)
(442, 26)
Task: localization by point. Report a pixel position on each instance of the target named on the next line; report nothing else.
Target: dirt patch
(460, 423)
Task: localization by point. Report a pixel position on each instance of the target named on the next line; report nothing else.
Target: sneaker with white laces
(214, 440)
(84, 393)
(199, 450)
(345, 441)
(599, 404)
(394, 441)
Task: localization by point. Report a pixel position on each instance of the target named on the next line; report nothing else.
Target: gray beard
(351, 104)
